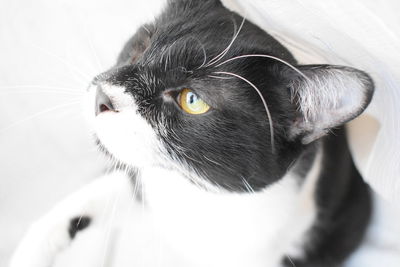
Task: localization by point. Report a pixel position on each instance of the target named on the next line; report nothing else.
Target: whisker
(223, 53)
(9, 92)
(271, 127)
(37, 115)
(204, 52)
(136, 186)
(291, 261)
(70, 113)
(265, 56)
(83, 75)
(222, 78)
(93, 51)
(247, 185)
(134, 193)
(212, 161)
(233, 36)
(142, 192)
(58, 88)
(167, 53)
(109, 230)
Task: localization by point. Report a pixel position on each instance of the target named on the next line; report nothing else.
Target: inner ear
(137, 45)
(327, 96)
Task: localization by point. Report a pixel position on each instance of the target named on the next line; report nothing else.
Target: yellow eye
(191, 103)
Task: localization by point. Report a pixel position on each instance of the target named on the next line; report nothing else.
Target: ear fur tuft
(328, 96)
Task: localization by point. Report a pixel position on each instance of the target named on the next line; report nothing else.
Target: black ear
(137, 45)
(326, 97)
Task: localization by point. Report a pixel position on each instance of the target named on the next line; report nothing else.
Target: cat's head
(212, 95)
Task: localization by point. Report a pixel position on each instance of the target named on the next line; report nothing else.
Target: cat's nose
(103, 102)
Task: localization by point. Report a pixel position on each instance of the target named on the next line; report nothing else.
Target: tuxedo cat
(238, 152)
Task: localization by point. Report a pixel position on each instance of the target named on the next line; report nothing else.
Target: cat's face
(192, 92)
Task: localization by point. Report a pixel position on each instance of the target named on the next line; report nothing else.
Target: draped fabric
(360, 33)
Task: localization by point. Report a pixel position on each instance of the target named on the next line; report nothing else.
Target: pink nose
(103, 102)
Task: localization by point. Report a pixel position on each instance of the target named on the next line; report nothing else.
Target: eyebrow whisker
(271, 127)
(265, 56)
(225, 51)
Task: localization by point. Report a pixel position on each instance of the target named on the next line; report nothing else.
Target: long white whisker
(70, 113)
(223, 53)
(271, 127)
(142, 189)
(137, 185)
(83, 75)
(212, 161)
(204, 53)
(265, 56)
(109, 230)
(58, 88)
(247, 185)
(223, 78)
(89, 39)
(37, 115)
(10, 92)
(291, 261)
(167, 54)
(233, 37)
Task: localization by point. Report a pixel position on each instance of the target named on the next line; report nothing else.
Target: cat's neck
(204, 224)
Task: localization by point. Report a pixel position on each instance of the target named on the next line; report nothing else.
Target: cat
(239, 152)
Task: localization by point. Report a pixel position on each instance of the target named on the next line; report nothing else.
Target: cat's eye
(192, 103)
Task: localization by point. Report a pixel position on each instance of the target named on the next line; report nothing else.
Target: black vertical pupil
(191, 99)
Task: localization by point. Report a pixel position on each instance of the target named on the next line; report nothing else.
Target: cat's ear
(137, 45)
(327, 96)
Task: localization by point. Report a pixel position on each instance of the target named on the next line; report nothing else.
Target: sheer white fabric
(359, 33)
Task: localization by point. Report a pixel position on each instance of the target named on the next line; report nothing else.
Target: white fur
(194, 225)
(179, 224)
(331, 95)
(125, 134)
(328, 98)
(226, 229)
(49, 236)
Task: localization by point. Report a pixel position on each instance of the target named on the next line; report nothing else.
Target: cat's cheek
(128, 137)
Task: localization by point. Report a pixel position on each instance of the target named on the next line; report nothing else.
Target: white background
(49, 52)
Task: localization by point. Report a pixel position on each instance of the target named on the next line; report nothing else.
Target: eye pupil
(192, 98)
(191, 103)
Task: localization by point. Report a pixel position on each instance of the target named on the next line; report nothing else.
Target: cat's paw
(54, 232)
(45, 239)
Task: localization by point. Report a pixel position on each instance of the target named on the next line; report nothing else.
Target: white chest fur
(229, 229)
(178, 225)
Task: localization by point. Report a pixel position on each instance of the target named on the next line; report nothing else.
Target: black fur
(78, 224)
(232, 141)
(344, 208)
(240, 144)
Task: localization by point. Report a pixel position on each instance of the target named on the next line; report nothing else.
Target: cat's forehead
(176, 42)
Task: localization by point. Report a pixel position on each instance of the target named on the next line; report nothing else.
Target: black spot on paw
(78, 224)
